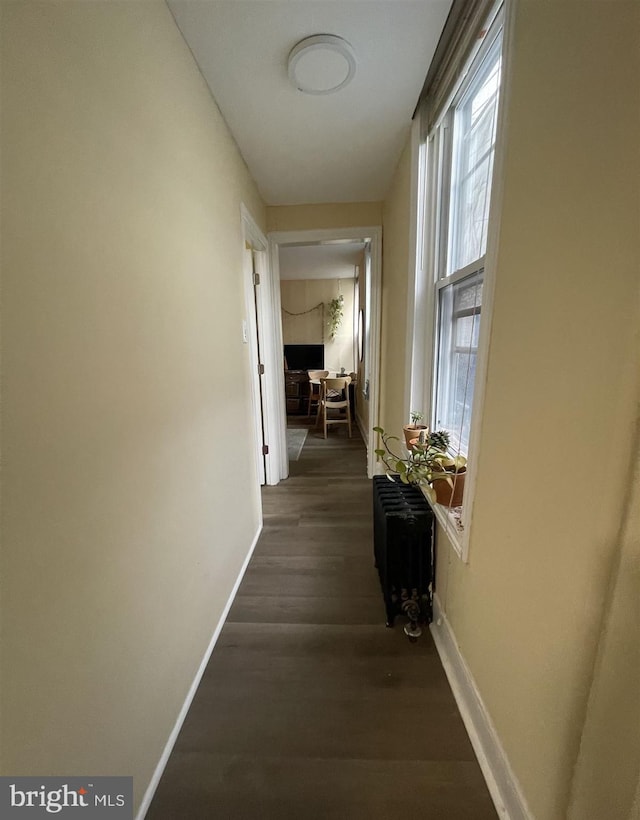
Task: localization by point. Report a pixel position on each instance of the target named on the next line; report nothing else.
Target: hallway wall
(122, 308)
(300, 295)
(609, 743)
(395, 265)
(325, 215)
(545, 613)
(561, 391)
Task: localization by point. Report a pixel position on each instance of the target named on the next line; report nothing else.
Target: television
(304, 357)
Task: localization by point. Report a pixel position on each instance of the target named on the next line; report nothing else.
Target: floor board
(309, 706)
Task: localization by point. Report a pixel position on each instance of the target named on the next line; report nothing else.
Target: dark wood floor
(309, 707)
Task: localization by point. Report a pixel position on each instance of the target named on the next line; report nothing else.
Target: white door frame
(357, 233)
(268, 331)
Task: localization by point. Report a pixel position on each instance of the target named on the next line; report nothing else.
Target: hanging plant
(336, 311)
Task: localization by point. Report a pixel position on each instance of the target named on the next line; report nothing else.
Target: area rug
(295, 442)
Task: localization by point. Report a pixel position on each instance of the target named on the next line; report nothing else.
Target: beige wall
(395, 265)
(546, 610)
(299, 296)
(528, 609)
(610, 741)
(329, 215)
(125, 383)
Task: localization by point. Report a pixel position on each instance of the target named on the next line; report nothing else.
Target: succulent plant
(440, 440)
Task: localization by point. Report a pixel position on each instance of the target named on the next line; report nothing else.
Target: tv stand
(296, 386)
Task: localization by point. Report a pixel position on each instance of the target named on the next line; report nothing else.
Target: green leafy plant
(336, 312)
(428, 460)
(416, 417)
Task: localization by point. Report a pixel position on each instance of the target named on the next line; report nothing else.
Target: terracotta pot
(412, 431)
(446, 494)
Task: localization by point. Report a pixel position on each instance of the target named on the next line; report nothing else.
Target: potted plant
(449, 486)
(336, 310)
(428, 464)
(412, 430)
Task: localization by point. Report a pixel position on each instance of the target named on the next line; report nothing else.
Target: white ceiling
(338, 147)
(320, 261)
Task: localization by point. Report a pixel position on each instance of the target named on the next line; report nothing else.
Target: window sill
(450, 521)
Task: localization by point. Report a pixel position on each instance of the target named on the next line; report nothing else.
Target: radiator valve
(412, 630)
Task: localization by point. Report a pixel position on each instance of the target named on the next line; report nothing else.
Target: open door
(262, 332)
(263, 450)
(252, 338)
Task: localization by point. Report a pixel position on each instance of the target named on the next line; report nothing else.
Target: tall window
(460, 152)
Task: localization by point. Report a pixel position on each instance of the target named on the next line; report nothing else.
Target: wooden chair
(334, 396)
(314, 389)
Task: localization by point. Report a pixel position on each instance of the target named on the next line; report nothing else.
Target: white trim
(374, 351)
(416, 217)
(501, 781)
(421, 349)
(251, 230)
(374, 233)
(380, 470)
(277, 362)
(357, 233)
(360, 426)
(464, 273)
(166, 753)
(488, 288)
(269, 330)
(444, 518)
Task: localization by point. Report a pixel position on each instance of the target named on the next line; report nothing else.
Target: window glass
(467, 135)
(460, 306)
(474, 140)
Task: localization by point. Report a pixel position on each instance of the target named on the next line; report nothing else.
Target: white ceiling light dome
(321, 64)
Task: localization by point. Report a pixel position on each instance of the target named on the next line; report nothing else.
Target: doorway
(312, 268)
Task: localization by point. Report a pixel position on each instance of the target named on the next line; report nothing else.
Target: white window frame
(471, 271)
(430, 239)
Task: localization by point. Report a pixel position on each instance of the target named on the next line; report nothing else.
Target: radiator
(403, 547)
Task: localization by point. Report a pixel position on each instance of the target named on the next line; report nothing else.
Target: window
(475, 123)
(459, 326)
(460, 151)
(455, 163)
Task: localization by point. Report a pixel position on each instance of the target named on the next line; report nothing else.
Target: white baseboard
(159, 770)
(378, 466)
(501, 781)
(365, 437)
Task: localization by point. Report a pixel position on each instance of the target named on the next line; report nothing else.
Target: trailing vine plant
(336, 312)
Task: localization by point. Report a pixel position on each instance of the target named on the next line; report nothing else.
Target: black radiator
(403, 546)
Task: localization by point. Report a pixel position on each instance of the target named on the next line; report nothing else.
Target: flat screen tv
(304, 357)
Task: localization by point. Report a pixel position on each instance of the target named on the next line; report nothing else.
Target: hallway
(309, 706)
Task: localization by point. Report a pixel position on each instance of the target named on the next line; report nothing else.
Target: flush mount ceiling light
(321, 64)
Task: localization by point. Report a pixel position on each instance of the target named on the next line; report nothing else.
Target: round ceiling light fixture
(321, 64)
